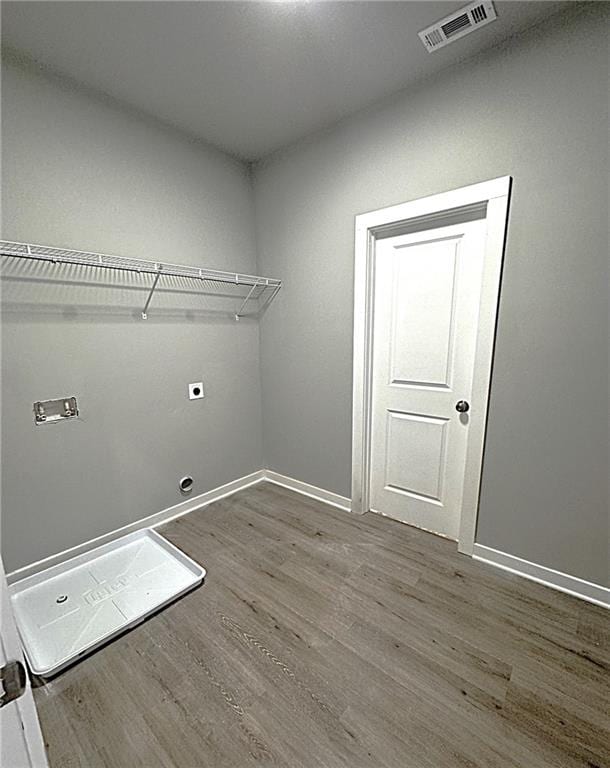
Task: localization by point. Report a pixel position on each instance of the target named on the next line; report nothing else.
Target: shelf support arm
(245, 301)
(150, 295)
(271, 296)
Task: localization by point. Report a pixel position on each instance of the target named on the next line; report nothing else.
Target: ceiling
(247, 77)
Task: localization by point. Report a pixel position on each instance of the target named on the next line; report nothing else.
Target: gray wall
(536, 109)
(86, 174)
(80, 172)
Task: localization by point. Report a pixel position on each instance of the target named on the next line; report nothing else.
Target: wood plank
(326, 639)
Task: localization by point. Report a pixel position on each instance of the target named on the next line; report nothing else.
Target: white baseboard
(585, 590)
(152, 521)
(328, 497)
(177, 510)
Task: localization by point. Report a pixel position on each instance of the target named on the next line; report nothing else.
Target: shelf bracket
(150, 295)
(270, 296)
(245, 301)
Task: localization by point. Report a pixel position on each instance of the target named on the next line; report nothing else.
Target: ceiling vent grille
(458, 24)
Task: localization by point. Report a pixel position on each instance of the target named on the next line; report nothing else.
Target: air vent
(451, 28)
(478, 14)
(458, 24)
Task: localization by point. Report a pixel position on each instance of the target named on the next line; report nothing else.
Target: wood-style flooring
(324, 639)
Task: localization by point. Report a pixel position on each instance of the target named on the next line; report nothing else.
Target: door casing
(489, 200)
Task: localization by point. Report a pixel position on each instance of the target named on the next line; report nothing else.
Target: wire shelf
(260, 288)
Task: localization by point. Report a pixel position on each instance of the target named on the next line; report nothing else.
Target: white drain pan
(72, 608)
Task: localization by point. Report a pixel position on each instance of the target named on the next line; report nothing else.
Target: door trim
(489, 200)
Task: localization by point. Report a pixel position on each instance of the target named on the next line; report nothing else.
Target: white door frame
(21, 740)
(488, 200)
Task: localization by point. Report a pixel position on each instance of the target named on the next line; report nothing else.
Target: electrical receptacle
(196, 390)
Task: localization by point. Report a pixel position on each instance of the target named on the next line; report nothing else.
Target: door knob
(13, 682)
(462, 406)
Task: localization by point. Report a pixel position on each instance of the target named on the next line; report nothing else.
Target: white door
(21, 744)
(426, 313)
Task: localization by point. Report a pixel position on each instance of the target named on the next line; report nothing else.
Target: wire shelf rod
(99, 260)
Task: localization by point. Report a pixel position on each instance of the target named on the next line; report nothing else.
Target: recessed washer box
(69, 610)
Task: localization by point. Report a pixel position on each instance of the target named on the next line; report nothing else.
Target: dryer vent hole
(186, 485)
(61, 599)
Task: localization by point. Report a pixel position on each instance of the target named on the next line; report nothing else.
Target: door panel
(415, 454)
(423, 291)
(427, 289)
